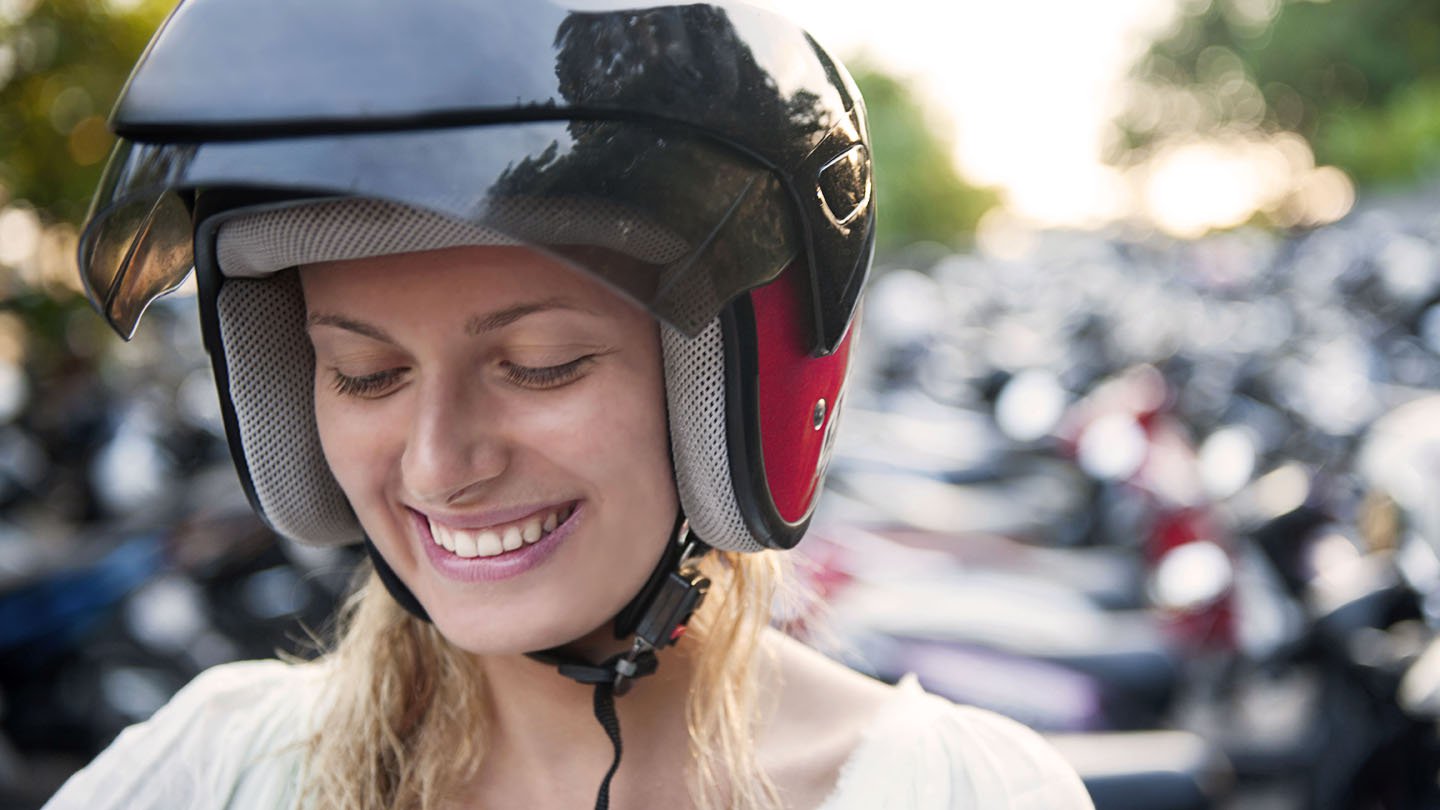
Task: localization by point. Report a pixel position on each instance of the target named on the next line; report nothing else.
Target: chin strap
(657, 617)
(664, 609)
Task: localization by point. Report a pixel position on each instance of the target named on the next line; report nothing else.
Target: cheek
(614, 434)
(353, 448)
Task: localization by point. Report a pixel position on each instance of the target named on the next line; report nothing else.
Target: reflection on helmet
(721, 121)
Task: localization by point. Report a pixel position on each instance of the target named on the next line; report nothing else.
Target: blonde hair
(404, 725)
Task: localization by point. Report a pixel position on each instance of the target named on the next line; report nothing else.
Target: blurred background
(1142, 447)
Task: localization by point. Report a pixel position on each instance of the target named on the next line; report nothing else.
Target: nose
(453, 450)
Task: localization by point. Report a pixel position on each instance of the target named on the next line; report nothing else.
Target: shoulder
(235, 730)
(815, 713)
(838, 740)
(925, 752)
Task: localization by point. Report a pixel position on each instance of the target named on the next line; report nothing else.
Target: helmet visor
(675, 221)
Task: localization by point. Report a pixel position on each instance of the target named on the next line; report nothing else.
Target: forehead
(437, 281)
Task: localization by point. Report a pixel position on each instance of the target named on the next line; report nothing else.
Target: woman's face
(497, 421)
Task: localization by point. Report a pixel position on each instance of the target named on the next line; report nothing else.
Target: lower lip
(502, 566)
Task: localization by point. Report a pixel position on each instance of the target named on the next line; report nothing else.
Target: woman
(550, 308)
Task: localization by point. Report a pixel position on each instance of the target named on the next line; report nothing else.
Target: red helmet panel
(798, 395)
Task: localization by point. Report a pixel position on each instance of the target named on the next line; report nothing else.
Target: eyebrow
(489, 322)
(475, 325)
(342, 322)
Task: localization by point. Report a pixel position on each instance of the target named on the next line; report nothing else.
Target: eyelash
(370, 385)
(547, 376)
(364, 387)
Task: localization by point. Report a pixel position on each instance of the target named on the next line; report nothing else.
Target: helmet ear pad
(749, 443)
(264, 369)
(752, 416)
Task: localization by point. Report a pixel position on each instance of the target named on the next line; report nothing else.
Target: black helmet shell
(270, 72)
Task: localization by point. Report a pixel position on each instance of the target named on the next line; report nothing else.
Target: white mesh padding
(261, 243)
(695, 393)
(271, 364)
(271, 371)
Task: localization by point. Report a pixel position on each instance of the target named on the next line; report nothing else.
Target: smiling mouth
(497, 540)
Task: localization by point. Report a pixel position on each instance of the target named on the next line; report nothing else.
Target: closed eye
(547, 376)
(369, 386)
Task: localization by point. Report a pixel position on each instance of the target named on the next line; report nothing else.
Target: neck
(543, 734)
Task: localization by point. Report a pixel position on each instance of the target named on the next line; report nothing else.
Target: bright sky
(1027, 86)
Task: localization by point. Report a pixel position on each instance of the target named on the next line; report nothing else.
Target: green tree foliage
(1359, 79)
(62, 64)
(919, 191)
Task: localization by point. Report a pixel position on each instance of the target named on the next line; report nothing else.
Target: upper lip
(472, 521)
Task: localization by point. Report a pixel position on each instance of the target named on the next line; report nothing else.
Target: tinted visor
(724, 223)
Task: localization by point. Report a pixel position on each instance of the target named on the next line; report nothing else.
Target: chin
(506, 635)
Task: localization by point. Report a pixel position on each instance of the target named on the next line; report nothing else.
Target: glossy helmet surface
(709, 161)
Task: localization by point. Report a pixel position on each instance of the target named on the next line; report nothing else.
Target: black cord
(605, 713)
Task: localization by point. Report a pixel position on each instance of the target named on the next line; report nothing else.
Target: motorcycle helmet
(708, 161)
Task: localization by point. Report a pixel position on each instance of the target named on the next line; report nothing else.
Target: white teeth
(444, 537)
(488, 543)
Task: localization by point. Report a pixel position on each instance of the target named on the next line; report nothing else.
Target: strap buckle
(665, 619)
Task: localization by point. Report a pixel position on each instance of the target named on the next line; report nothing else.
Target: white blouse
(231, 740)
